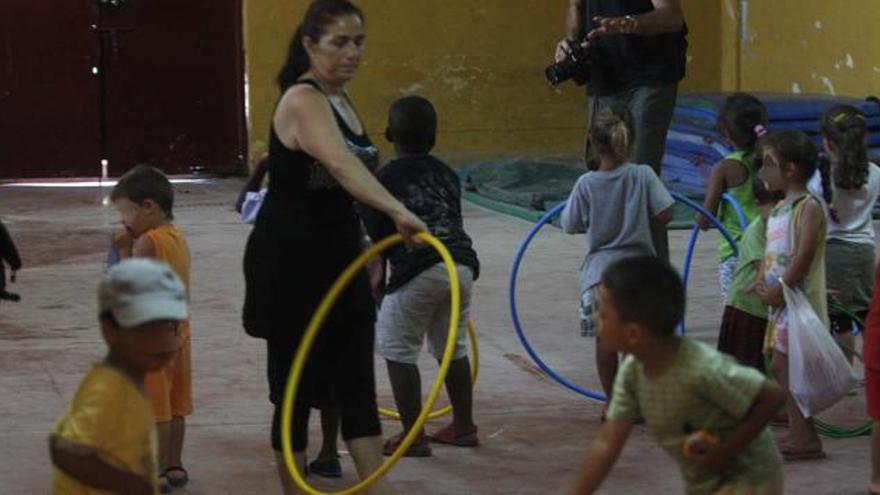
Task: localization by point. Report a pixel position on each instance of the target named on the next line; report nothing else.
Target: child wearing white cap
(105, 441)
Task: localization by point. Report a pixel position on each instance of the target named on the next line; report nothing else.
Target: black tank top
(302, 193)
(622, 61)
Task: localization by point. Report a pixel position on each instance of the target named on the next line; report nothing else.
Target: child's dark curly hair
(743, 118)
(845, 127)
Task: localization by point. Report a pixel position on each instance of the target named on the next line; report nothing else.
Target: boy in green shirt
(708, 412)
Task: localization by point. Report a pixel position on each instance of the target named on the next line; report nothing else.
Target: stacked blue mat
(693, 144)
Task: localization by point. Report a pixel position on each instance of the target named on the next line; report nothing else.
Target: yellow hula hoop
(308, 340)
(475, 371)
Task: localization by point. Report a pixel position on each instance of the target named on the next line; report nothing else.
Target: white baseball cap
(140, 290)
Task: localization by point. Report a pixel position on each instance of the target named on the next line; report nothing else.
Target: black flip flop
(327, 468)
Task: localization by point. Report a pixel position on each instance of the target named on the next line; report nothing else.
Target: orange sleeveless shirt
(171, 247)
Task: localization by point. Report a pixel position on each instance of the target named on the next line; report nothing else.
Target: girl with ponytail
(614, 205)
(742, 121)
(850, 185)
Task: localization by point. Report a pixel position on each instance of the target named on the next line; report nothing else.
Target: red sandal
(453, 435)
(419, 448)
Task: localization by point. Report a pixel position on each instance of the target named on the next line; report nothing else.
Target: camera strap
(588, 21)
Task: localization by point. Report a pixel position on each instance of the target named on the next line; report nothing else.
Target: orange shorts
(170, 389)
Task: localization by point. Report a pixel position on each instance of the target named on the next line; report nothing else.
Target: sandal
(802, 455)
(453, 435)
(163, 486)
(420, 448)
(328, 468)
(176, 482)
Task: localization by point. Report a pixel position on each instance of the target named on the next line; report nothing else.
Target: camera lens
(553, 75)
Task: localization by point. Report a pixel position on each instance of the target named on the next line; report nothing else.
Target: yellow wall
(480, 62)
(268, 25)
(812, 46)
(704, 45)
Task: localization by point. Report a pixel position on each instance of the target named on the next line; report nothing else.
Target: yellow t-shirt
(171, 247)
(110, 416)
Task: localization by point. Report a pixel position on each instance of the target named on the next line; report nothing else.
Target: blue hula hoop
(692, 242)
(695, 232)
(517, 261)
(743, 221)
(514, 314)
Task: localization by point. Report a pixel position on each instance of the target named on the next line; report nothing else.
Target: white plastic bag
(251, 205)
(818, 373)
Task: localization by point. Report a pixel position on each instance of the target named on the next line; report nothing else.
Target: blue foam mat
(779, 106)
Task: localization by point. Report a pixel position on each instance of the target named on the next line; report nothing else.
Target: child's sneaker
(460, 437)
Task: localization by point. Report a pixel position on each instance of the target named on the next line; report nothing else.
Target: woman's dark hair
(320, 14)
(742, 117)
(648, 291)
(846, 127)
(612, 133)
(793, 147)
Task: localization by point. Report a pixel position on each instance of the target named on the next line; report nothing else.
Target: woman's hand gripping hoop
(308, 340)
(475, 371)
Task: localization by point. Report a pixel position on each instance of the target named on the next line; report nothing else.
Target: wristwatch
(632, 22)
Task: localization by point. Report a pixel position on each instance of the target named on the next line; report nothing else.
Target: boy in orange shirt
(144, 198)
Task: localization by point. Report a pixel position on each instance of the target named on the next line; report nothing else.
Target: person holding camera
(629, 52)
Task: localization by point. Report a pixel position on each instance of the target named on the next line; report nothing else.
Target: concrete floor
(534, 433)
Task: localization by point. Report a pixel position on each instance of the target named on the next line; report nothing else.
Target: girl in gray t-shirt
(614, 205)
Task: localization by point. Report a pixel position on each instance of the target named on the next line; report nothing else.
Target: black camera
(576, 65)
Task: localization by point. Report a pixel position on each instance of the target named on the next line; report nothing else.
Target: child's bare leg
(163, 432)
(330, 431)
(406, 384)
(607, 362)
(847, 342)
(367, 455)
(174, 453)
(288, 486)
(842, 326)
(802, 436)
(460, 390)
(874, 487)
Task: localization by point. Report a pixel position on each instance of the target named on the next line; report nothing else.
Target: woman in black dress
(308, 231)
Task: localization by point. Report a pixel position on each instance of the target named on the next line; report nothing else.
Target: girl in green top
(745, 316)
(741, 121)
